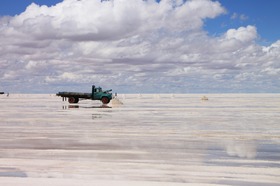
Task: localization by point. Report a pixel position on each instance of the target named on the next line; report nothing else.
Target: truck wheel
(73, 100)
(105, 100)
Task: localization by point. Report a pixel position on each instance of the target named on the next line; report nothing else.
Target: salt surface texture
(154, 140)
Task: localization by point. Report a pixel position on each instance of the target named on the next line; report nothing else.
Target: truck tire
(73, 100)
(105, 100)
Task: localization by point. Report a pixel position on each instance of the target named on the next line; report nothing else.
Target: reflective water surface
(229, 139)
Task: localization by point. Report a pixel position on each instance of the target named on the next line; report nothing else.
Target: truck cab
(99, 94)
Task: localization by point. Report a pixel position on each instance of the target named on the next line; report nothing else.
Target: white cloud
(124, 43)
(243, 34)
(241, 17)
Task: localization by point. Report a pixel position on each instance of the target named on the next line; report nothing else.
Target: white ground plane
(154, 140)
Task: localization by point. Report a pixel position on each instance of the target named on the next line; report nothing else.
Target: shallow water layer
(229, 139)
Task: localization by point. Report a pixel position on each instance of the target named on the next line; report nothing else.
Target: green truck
(96, 94)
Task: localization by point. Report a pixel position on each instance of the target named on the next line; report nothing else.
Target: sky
(137, 46)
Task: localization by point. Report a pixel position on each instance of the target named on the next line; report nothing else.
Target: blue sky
(13, 7)
(135, 46)
(263, 14)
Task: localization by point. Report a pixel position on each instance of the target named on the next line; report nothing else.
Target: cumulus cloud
(124, 43)
(242, 34)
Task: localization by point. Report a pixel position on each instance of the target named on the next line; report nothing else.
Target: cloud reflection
(242, 149)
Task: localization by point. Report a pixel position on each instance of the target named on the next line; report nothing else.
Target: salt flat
(231, 139)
